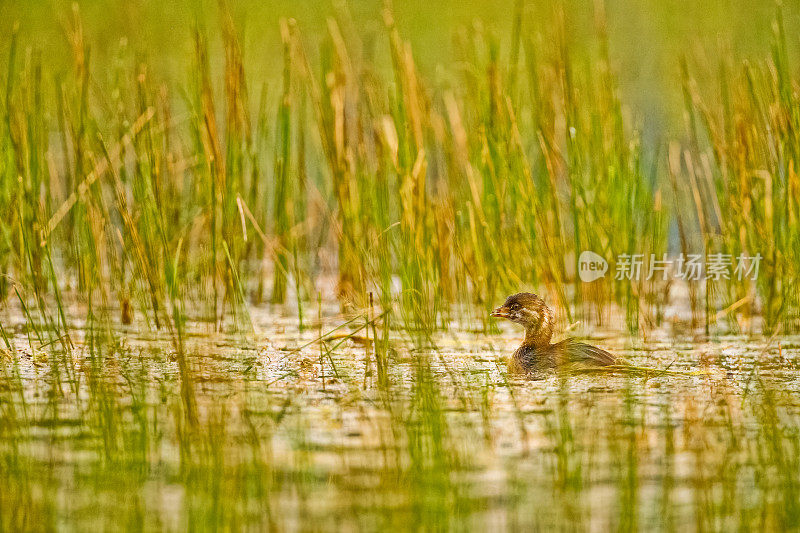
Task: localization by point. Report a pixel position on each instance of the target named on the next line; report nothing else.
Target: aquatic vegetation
(231, 300)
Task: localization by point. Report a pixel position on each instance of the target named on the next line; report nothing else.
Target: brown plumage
(536, 352)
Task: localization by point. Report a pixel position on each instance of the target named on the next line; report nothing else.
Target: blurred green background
(647, 37)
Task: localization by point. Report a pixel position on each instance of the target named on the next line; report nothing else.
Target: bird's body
(537, 353)
(568, 353)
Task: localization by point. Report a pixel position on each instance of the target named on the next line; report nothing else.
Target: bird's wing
(572, 351)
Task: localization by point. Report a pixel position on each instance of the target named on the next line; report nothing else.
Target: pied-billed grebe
(536, 352)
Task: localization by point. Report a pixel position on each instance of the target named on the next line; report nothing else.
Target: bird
(537, 353)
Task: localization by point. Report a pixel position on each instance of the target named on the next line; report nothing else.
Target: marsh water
(292, 429)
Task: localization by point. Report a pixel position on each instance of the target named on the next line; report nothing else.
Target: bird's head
(529, 311)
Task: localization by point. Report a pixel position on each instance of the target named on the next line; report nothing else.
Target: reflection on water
(295, 434)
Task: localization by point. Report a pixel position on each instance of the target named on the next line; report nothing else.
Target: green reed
(492, 178)
(428, 197)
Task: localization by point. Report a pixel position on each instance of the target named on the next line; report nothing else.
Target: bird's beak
(500, 312)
